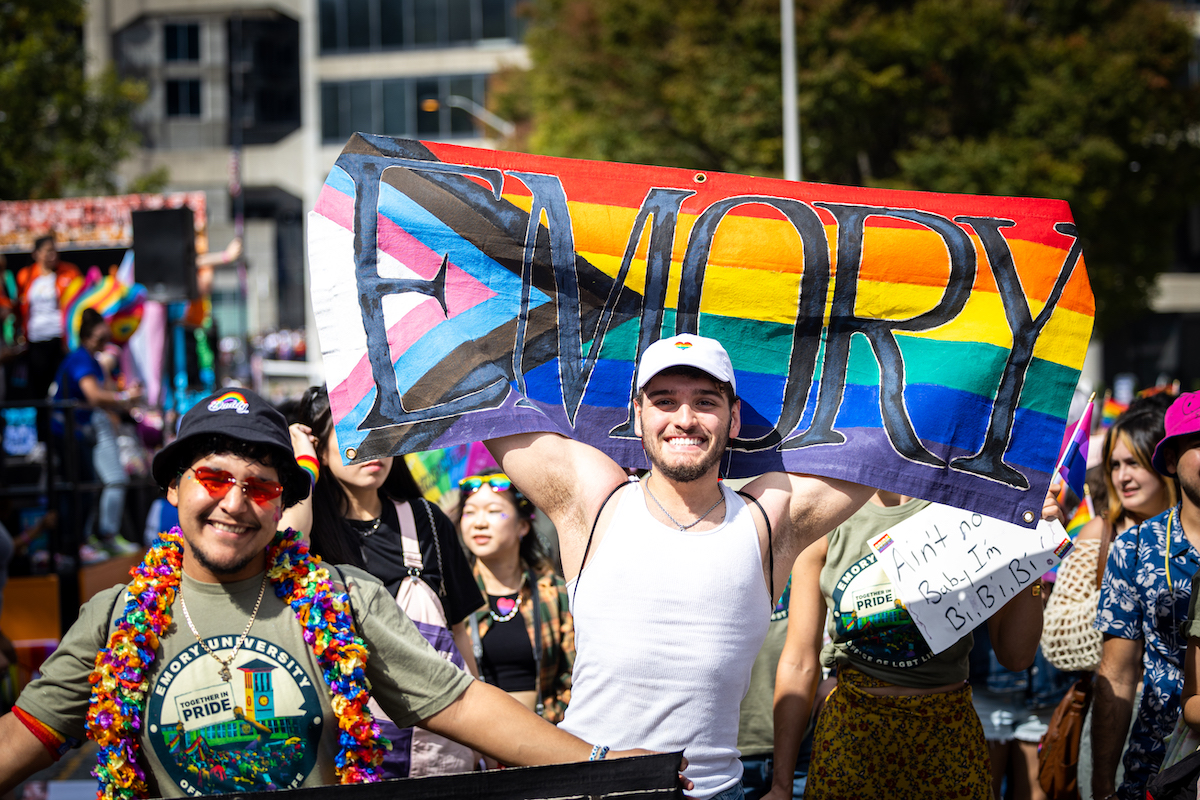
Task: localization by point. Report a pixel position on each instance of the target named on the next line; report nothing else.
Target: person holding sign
(1143, 610)
(167, 674)
(673, 578)
(901, 716)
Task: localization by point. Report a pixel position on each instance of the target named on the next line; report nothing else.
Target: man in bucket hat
(195, 679)
(1143, 610)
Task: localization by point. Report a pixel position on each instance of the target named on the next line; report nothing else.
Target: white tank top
(667, 626)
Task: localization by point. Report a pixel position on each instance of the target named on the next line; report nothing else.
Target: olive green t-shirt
(872, 631)
(756, 719)
(272, 725)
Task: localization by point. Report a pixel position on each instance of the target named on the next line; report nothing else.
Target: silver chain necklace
(677, 523)
(224, 672)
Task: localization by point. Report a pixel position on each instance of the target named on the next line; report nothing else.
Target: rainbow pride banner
(923, 343)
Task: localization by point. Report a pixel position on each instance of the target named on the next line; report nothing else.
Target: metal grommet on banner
(351, 453)
(1029, 516)
(699, 177)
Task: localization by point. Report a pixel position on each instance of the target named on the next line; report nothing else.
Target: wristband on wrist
(599, 751)
(311, 466)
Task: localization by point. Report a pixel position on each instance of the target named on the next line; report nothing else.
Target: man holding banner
(467, 295)
(681, 571)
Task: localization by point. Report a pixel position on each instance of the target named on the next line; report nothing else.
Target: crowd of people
(682, 613)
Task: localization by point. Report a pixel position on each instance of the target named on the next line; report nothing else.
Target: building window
(358, 25)
(407, 107)
(182, 42)
(183, 98)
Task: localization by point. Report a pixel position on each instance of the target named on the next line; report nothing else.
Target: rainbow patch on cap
(882, 543)
(230, 400)
(683, 345)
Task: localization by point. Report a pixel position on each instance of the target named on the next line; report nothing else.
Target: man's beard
(1190, 489)
(216, 568)
(686, 473)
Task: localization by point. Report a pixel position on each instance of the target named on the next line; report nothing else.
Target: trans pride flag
(928, 344)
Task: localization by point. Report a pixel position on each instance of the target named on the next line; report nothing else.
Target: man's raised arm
(802, 509)
(566, 479)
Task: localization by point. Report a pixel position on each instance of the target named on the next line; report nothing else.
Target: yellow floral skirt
(918, 747)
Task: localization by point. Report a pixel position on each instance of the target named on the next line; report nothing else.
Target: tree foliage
(60, 133)
(1083, 100)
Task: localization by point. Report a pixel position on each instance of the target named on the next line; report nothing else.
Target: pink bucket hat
(1183, 417)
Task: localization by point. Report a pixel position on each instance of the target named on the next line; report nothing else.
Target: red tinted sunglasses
(218, 482)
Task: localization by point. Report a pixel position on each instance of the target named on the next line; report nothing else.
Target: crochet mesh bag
(1069, 641)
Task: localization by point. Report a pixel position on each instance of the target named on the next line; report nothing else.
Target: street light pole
(791, 113)
(503, 126)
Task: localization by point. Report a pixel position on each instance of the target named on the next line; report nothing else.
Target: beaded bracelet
(599, 751)
(311, 466)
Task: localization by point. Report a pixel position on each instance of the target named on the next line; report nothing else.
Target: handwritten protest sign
(924, 343)
(953, 569)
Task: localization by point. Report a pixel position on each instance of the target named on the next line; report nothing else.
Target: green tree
(60, 133)
(1083, 100)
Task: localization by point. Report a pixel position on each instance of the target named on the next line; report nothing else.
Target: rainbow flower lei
(120, 680)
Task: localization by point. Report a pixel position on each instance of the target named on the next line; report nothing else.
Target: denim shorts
(732, 793)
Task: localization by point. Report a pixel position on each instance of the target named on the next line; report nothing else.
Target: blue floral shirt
(1144, 599)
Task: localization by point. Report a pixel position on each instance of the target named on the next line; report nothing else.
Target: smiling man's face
(685, 423)
(225, 536)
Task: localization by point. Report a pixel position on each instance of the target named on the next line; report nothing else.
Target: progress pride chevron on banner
(923, 343)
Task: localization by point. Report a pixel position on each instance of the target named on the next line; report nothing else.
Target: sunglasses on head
(218, 482)
(499, 483)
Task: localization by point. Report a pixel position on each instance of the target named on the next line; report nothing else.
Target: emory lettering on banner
(924, 343)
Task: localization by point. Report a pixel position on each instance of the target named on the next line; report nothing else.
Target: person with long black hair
(371, 515)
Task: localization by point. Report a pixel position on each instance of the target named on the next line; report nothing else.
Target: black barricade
(643, 778)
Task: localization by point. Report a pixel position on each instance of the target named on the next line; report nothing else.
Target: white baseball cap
(686, 350)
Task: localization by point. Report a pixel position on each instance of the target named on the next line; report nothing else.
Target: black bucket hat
(238, 414)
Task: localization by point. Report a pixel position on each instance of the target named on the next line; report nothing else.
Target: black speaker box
(164, 249)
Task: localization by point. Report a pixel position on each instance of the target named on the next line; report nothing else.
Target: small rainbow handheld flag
(1084, 514)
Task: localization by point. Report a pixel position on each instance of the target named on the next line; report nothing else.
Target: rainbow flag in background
(120, 304)
(437, 472)
(1084, 513)
(1110, 411)
(924, 343)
